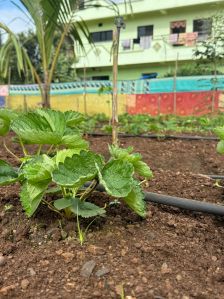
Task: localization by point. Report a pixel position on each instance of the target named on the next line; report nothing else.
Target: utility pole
(119, 23)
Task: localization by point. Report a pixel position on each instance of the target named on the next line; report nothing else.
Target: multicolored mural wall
(181, 96)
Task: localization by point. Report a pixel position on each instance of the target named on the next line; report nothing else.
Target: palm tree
(48, 17)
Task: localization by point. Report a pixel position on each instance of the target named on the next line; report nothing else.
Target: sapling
(63, 163)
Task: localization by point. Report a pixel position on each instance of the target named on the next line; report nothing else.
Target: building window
(100, 78)
(203, 27)
(178, 27)
(149, 75)
(101, 36)
(145, 31)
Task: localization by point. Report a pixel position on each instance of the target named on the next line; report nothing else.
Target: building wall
(190, 95)
(91, 104)
(130, 72)
(140, 6)
(161, 55)
(187, 103)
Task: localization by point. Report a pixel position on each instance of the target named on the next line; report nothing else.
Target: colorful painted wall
(181, 96)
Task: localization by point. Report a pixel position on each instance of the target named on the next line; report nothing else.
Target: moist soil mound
(172, 254)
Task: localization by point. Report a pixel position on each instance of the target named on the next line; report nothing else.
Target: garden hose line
(182, 203)
(158, 136)
(215, 176)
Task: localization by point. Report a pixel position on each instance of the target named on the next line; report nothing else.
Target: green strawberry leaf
(7, 174)
(6, 116)
(116, 177)
(38, 169)
(86, 209)
(74, 141)
(220, 147)
(63, 203)
(40, 127)
(142, 169)
(4, 127)
(78, 207)
(31, 196)
(65, 153)
(73, 118)
(120, 153)
(135, 200)
(219, 132)
(78, 169)
(135, 159)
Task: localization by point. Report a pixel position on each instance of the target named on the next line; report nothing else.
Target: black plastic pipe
(215, 176)
(182, 203)
(156, 136)
(187, 204)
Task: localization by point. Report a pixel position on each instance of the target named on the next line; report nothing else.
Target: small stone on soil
(139, 289)
(59, 252)
(24, 284)
(102, 271)
(96, 250)
(165, 269)
(5, 290)
(2, 260)
(138, 245)
(87, 269)
(144, 279)
(135, 260)
(68, 256)
(97, 294)
(31, 271)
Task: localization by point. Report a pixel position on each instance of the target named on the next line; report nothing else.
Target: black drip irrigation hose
(182, 203)
(216, 176)
(157, 136)
(187, 204)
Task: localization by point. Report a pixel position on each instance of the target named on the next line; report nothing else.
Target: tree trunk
(46, 93)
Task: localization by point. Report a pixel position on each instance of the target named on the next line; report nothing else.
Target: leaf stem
(81, 234)
(39, 150)
(23, 147)
(10, 152)
(51, 207)
(50, 149)
(63, 191)
(142, 182)
(89, 190)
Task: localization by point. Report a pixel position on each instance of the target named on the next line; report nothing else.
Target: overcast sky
(13, 17)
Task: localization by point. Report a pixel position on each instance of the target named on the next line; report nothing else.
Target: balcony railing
(143, 50)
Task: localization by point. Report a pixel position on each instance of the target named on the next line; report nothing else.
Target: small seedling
(217, 184)
(82, 233)
(8, 207)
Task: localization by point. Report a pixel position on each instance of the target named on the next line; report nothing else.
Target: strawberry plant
(63, 163)
(219, 131)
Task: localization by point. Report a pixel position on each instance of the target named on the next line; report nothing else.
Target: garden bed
(171, 254)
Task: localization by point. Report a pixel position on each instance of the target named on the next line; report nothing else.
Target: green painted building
(157, 34)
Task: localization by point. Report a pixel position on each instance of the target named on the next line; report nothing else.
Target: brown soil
(172, 254)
